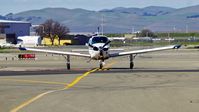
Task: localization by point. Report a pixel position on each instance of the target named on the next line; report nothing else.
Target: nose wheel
(131, 65)
(102, 63)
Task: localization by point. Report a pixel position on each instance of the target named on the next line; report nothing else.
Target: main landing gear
(132, 57)
(67, 57)
(102, 63)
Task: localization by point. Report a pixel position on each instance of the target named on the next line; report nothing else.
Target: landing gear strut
(132, 57)
(67, 57)
(101, 64)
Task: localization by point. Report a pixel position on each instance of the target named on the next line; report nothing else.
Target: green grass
(176, 35)
(2, 48)
(9, 50)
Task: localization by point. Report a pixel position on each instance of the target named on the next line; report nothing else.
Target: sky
(15, 6)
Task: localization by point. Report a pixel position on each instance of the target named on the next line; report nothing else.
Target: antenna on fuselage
(98, 30)
(102, 25)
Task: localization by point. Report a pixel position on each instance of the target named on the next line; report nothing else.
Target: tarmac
(165, 81)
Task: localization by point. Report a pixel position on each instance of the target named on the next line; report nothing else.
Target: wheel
(68, 66)
(68, 62)
(131, 65)
(101, 65)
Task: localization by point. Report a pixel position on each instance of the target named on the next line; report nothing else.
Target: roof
(9, 21)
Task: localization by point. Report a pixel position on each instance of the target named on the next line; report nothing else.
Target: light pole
(187, 28)
(102, 24)
(174, 29)
(133, 29)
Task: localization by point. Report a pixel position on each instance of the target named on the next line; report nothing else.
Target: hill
(120, 19)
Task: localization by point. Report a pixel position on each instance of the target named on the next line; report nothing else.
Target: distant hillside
(118, 20)
(147, 11)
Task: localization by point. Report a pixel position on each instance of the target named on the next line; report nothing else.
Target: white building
(29, 40)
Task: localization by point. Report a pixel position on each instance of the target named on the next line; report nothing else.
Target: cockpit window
(99, 40)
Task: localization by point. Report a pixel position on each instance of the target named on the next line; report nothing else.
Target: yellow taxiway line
(48, 92)
(73, 83)
(30, 101)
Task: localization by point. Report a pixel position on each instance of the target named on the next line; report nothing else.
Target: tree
(146, 33)
(60, 31)
(53, 30)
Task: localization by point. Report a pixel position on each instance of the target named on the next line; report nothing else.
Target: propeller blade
(106, 44)
(90, 45)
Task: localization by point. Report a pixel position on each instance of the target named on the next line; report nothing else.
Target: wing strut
(132, 57)
(67, 57)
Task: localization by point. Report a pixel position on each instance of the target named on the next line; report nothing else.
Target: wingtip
(177, 46)
(22, 48)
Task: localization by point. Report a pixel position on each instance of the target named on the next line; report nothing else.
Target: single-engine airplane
(98, 47)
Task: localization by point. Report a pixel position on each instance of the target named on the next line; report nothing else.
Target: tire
(68, 66)
(131, 65)
(101, 65)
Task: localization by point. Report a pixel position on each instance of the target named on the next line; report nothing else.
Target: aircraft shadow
(144, 70)
(109, 70)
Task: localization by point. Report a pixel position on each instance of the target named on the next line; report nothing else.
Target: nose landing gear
(102, 63)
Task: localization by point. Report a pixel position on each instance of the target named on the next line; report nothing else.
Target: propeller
(100, 48)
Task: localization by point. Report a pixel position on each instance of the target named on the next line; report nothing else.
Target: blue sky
(14, 6)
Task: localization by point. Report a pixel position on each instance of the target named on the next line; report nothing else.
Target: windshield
(99, 40)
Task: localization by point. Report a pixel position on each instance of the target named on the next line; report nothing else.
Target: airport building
(13, 29)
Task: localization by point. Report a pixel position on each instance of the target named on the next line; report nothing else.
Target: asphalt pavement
(160, 82)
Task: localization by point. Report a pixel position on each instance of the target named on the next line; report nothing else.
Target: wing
(79, 50)
(145, 50)
(56, 52)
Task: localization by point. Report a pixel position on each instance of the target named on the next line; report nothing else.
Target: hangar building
(14, 29)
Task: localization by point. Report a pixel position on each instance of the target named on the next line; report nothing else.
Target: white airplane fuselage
(98, 48)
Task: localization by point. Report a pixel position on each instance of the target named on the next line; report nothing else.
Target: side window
(90, 41)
